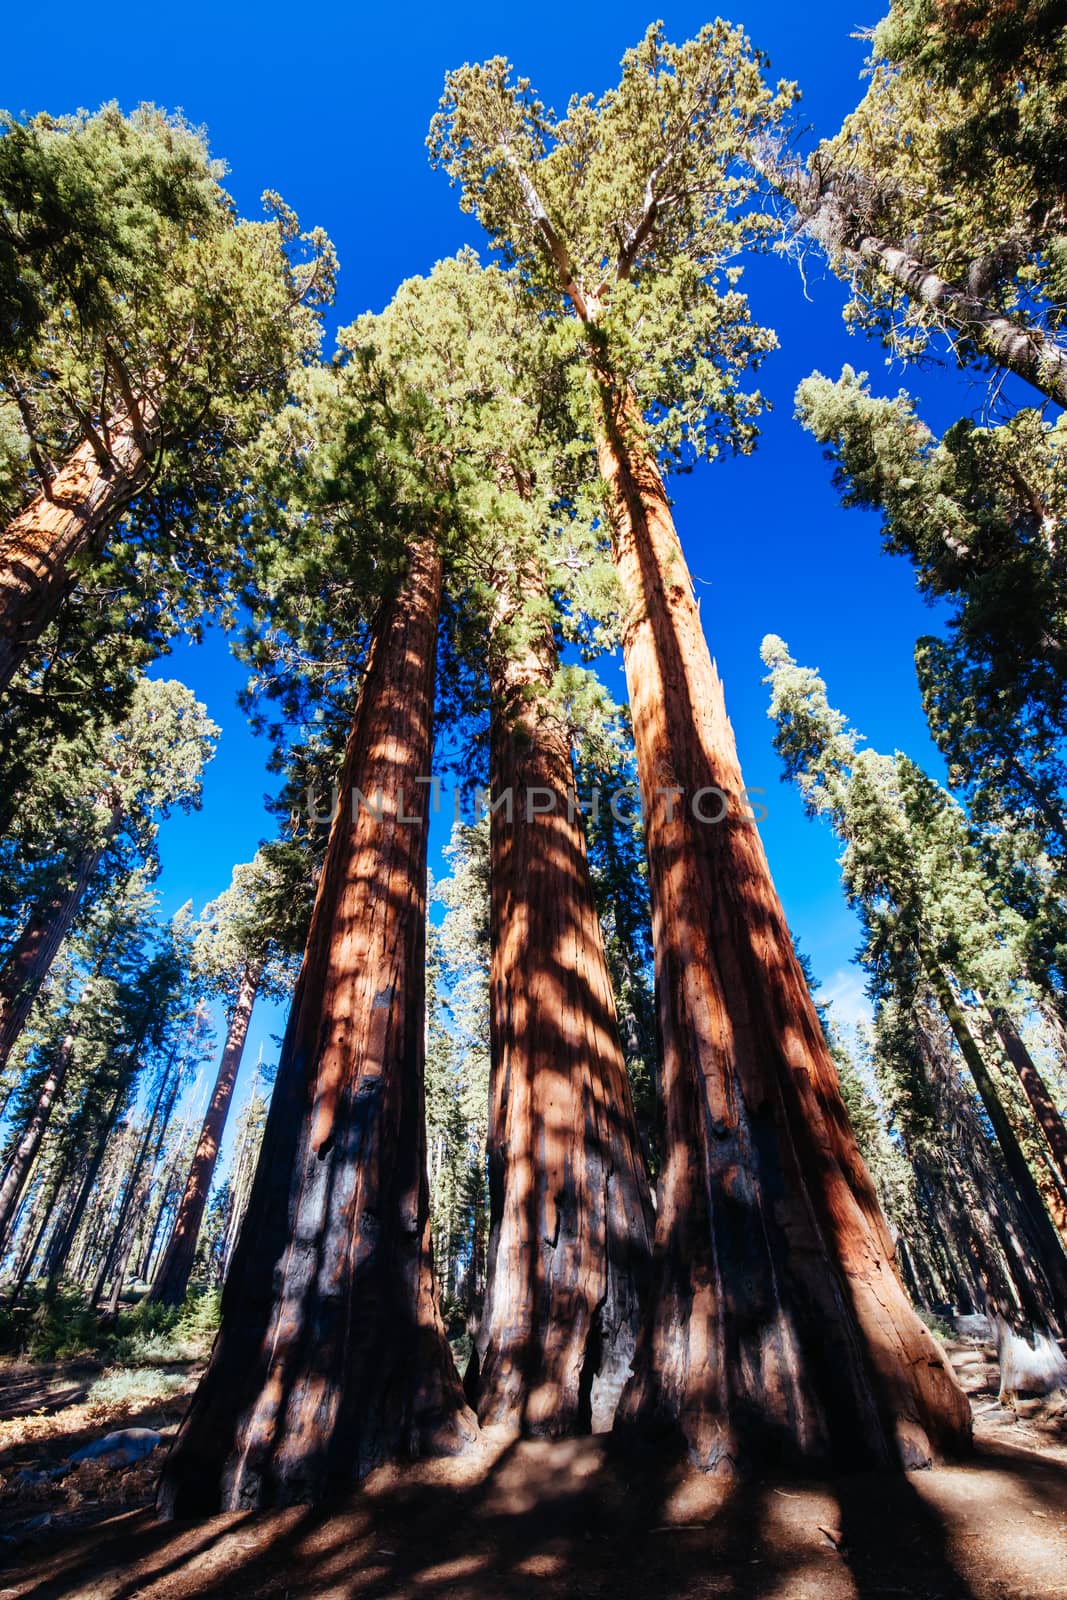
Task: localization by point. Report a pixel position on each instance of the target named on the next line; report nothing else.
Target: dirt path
(572, 1519)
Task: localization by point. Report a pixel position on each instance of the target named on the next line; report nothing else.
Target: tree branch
(555, 248)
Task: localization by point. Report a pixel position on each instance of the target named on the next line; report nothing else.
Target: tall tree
(906, 866)
(779, 1327)
(559, 1321)
(246, 936)
(147, 764)
(942, 201)
(331, 1355)
(145, 331)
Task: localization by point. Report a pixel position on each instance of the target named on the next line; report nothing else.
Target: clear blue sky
(330, 107)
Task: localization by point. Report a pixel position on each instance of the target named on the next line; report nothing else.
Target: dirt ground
(516, 1519)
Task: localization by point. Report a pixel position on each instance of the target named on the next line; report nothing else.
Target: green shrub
(135, 1386)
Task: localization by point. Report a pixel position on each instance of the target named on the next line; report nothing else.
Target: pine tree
(925, 904)
(105, 821)
(942, 199)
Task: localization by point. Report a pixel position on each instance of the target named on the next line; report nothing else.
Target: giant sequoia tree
(144, 331)
(569, 1211)
(779, 1328)
(332, 1355)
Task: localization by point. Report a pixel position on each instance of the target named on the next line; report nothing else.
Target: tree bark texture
(84, 500)
(779, 1330)
(570, 1215)
(172, 1279)
(331, 1356)
(1027, 352)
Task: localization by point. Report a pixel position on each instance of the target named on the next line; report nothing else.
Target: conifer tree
(942, 200)
(246, 941)
(144, 331)
(925, 904)
(331, 1355)
(559, 1323)
(621, 217)
(104, 821)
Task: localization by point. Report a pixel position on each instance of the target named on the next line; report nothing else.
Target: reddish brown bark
(172, 1279)
(85, 498)
(22, 1157)
(570, 1216)
(779, 1330)
(331, 1355)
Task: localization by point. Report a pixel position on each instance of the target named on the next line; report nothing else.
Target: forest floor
(523, 1519)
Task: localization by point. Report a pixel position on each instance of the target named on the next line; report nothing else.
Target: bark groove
(331, 1356)
(570, 1215)
(779, 1329)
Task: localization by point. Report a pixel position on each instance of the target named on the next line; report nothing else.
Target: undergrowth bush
(61, 1327)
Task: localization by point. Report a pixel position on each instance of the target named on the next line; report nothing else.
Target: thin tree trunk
(780, 1329)
(166, 1094)
(84, 500)
(136, 1214)
(172, 1279)
(30, 961)
(331, 1355)
(44, 1218)
(571, 1219)
(1035, 1089)
(18, 1168)
(1046, 1238)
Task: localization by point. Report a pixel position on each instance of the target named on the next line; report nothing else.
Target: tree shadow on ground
(579, 1518)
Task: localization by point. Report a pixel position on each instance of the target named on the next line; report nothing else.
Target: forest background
(333, 114)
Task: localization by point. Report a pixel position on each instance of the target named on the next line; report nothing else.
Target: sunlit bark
(331, 1355)
(83, 501)
(570, 1217)
(780, 1330)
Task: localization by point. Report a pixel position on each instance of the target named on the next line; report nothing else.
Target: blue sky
(331, 109)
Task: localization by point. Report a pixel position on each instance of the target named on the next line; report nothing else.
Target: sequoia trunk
(331, 1355)
(779, 1329)
(172, 1279)
(570, 1216)
(83, 500)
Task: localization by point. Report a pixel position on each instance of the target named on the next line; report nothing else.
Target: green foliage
(57, 1327)
(634, 207)
(911, 864)
(956, 153)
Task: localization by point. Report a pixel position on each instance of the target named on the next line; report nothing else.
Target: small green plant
(135, 1386)
(52, 1327)
(940, 1329)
